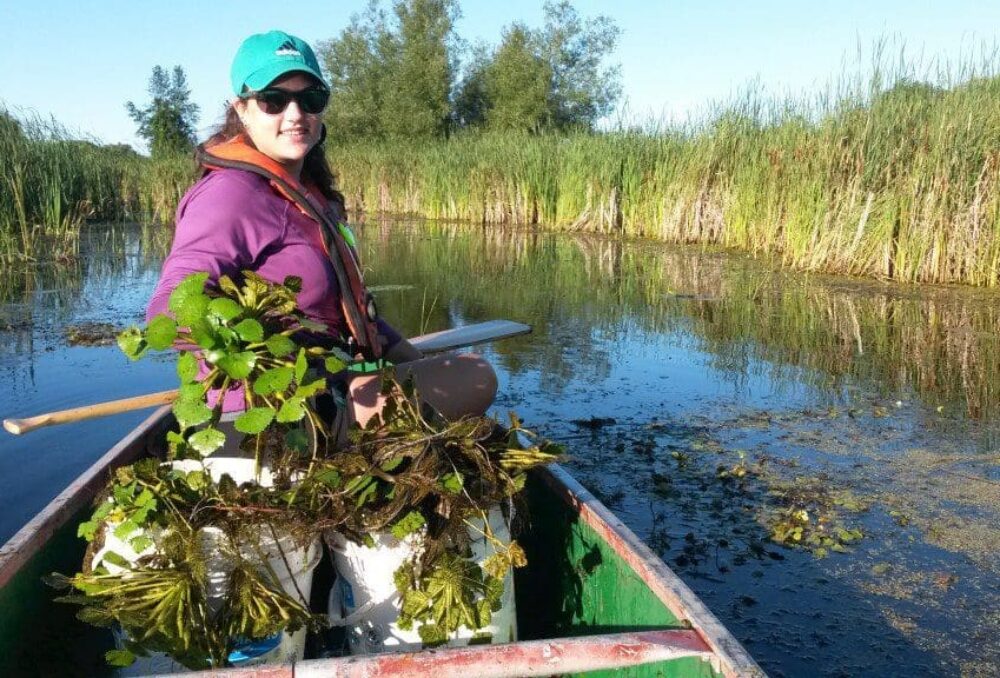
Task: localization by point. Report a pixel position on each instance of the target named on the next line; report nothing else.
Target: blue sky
(80, 62)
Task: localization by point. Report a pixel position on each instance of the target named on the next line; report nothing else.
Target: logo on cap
(287, 49)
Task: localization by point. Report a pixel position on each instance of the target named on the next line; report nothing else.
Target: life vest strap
(358, 305)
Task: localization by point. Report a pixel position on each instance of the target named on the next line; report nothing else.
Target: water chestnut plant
(246, 338)
(409, 472)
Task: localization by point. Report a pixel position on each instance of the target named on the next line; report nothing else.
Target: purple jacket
(233, 220)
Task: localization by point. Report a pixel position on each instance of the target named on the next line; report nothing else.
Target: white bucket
(365, 601)
(296, 577)
(240, 469)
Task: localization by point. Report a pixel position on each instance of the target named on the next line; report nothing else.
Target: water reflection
(940, 342)
(108, 283)
(691, 357)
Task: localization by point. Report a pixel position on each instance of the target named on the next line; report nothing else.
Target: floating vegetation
(900, 582)
(594, 423)
(950, 499)
(736, 471)
(798, 511)
(746, 512)
(92, 334)
(806, 512)
(789, 508)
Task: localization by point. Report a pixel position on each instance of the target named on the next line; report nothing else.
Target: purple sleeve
(222, 227)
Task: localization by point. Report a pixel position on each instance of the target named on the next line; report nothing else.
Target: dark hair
(315, 169)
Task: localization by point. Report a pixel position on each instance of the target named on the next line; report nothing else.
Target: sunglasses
(273, 101)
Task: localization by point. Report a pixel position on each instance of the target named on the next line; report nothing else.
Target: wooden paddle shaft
(436, 342)
(19, 426)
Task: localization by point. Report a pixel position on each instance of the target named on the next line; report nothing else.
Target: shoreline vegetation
(890, 182)
(51, 184)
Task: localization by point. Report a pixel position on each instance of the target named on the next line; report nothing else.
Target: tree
(420, 76)
(168, 122)
(393, 74)
(518, 83)
(583, 90)
(392, 80)
(552, 77)
(355, 65)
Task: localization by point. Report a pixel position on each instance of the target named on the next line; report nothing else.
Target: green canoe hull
(590, 586)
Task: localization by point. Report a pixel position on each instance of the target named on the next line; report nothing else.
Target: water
(658, 367)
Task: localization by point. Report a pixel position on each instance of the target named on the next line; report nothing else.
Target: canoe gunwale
(708, 638)
(549, 657)
(728, 656)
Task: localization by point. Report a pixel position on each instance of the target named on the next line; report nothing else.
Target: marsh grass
(882, 175)
(53, 183)
(892, 173)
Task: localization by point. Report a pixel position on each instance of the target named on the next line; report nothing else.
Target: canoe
(593, 600)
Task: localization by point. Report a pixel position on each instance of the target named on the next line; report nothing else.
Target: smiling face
(285, 137)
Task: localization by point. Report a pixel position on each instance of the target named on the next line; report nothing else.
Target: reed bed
(892, 181)
(880, 175)
(51, 183)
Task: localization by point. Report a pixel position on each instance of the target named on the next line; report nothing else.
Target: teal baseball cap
(263, 57)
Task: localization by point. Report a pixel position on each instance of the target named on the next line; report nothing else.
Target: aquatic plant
(407, 472)
(91, 334)
(884, 175)
(162, 600)
(809, 512)
(891, 174)
(246, 336)
(51, 183)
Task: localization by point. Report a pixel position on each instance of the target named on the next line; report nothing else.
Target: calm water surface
(659, 367)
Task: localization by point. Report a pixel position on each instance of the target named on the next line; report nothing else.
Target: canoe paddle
(436, 342)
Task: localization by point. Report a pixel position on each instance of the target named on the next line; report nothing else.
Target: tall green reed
(890, 174)
(52, 183)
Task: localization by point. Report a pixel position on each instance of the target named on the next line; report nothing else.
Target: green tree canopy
(552, 77)
(421, 75)
(583, 88)
(393, 73)
(168, 122)
(518, 83)
(393, 77)
(355, 63)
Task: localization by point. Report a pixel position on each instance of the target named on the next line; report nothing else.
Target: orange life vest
(357, 304)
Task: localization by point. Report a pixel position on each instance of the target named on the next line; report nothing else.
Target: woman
(267, 203)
